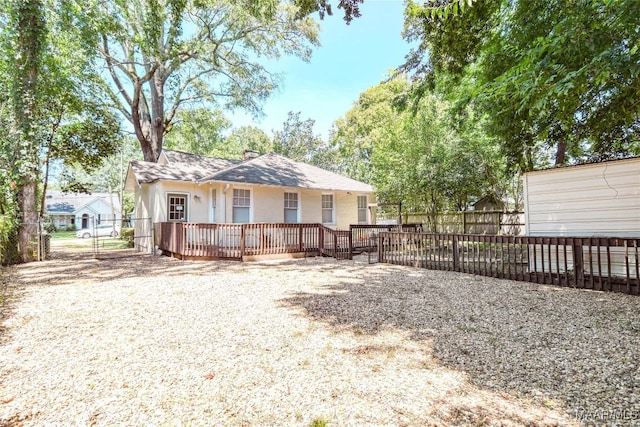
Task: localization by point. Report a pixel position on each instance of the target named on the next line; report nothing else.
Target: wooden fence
(236, 241)
(365, 236)
(469, 222)
(599, 263)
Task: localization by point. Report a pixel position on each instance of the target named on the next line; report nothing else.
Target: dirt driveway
(132, 339)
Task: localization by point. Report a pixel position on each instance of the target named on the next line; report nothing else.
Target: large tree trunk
(31, 31)
(157, 110)
(28, 230)
(149, 125)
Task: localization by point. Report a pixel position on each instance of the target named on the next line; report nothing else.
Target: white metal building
(590, 200)
(599, 199)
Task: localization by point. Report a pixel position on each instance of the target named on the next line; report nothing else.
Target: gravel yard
(142, 340)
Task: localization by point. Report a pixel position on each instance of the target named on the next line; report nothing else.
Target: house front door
(85, 221)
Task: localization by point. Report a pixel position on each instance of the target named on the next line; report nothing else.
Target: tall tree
(25, 39)
(162, 55)
(248, 138)
(551, 73)
(56, 112)
(297, 140)
(420, 157)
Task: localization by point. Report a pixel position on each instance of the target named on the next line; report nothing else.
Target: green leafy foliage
(128, 235)
(323, 7)
(52, 109)
(419, 157)
(552, 75)
(297, 140)
(167, 54)
(247, 138)
(201, 131)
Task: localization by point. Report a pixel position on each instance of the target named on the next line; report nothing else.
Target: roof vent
(249, 154)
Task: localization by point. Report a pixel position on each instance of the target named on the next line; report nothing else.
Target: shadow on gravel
(71, 266)
(567, 349)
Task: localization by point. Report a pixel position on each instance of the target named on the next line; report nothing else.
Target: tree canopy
(419, 157)
(52, 110)
(163, 55)
(550, 74)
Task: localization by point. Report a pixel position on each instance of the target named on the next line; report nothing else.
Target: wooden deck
(245, 241)
(599, 263)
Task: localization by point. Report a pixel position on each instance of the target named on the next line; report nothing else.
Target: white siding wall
(601, 199)
(346, 210)
(267, 205)
(198, 199)
(311, 205)
(142, 232)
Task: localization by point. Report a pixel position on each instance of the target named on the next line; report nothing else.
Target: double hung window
(327, 209)
(291, 208)
(241, 205)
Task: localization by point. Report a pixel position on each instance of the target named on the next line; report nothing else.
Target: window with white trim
(176, 207)
(291, 208)
(362, 209)
(327, 209)
(241, 205)
(213, 205)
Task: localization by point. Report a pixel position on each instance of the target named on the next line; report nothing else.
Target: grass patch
(319, 422)
(114, 243)
(63, 235)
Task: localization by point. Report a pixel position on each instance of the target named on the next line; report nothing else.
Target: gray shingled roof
(198, 163)
(181, 167)
(277, 170)
(270, 169)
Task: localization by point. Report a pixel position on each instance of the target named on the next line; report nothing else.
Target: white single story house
(271, 188)
(81, 210)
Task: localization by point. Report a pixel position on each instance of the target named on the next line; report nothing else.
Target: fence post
(578, 265)
(242, 243)
(464, 222)
(300, 244)
(380, 251)
(456, 261)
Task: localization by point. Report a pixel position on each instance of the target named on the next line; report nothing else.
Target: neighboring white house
(598, 199)
(271, 188)
(81, 210)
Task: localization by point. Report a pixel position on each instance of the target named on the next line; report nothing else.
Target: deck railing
(235, 241)
(336, 243)
(600, 263)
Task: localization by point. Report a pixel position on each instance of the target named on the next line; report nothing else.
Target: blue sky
(351, 59)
